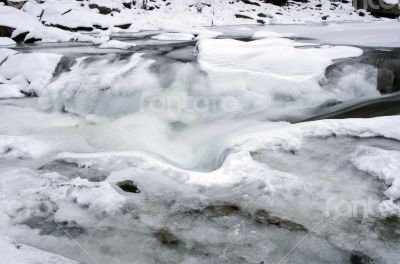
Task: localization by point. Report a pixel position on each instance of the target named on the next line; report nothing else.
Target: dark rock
(16, 4)
(261, 15)
(123, 26)
(361, 14)
(128, 186)
(127, 5)
(70, 29)
(29, 93)
(319, 5)
(167, 238)
(20, 37)
(6, 31)
(262, 216)
(260, 21)
(250, 2)
(100, 27)
(361, 258)
(276, 2)
(242, 16)
(325, 17)
(222, 209)
(103, 9)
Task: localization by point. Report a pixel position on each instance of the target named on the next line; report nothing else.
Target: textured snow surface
(57, 20)
(13, 252)
(116, 44)
(6, 42)
(88, 157)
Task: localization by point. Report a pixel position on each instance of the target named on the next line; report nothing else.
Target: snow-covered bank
(54, 20)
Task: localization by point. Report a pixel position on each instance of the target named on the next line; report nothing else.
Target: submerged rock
(166, 237)
(388, 228)
(128, 186)
(222, 209)
(262, 216)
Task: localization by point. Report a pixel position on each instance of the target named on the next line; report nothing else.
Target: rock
(20, 37)
(361, 14)
(29, 93)
(6, 31)
(250, 2)
(103, 9)
(127, 5)
(16, 4)
(260, 21)
(167, 238)
(242, 16)
(123, 26)
(261, 15)
(222, 209)
(262, 216)
(388, 228)
(361, 258)
(324, 17)
(276, 2)
(70, 29)
(128, 186)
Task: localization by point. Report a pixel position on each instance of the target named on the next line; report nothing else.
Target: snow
(73, 15)
(173, 36)
(392, 2)
(116, 44)
(266, 71)
(63, 154)
(376, 34)
(6, 42)
(33, 69)
(385, 165)
(14, 252)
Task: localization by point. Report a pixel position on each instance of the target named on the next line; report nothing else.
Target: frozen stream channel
(250, 145)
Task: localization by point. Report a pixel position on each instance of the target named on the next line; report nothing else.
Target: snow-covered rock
(173, 36)
(6, 42)
(116, 44)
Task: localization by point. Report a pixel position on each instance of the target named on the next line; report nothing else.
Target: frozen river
(240, 144)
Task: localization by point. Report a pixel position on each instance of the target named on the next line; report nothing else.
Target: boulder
(16, 3)
(103, 9)
(6, 31)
